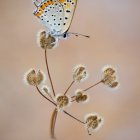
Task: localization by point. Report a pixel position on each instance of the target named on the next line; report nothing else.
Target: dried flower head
(109, 70)
(109, 77)
(34, 78)
(80, 73)
(93, 122)
(47, 41)
(80, 96)
(62, 101)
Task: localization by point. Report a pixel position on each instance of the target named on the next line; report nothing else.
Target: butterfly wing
(69, 7)
(51, 14)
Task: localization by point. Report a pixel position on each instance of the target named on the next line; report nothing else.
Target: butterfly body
(56, 15)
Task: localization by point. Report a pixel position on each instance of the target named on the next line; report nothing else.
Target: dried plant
(34, 78)
(48, 40)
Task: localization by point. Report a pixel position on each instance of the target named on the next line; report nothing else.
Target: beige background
(114, 26)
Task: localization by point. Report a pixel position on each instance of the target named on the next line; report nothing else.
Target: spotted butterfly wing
(69, 7)
(51, 14)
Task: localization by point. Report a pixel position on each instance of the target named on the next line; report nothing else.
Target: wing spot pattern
(42, 7)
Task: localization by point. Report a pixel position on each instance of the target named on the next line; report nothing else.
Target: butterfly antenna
(78, 34)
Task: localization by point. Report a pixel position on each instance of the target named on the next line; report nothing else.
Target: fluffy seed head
(47, 41)
(62, 101)
(110, 77)
(93, 122)
(80, 73)
(80, 96)
(34, 78)
(109, 70)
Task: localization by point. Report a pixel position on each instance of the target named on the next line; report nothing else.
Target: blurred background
(114, 27)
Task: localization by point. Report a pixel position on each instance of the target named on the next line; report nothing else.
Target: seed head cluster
(80, 73)
(110, 77)
(93, 122)
(80, 96)
(34, 78)
(47, 41)
(62, 101)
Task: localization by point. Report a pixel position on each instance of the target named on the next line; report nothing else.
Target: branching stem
(56, 105)
(45, 96)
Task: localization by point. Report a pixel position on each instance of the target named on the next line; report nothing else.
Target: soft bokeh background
(114, 27)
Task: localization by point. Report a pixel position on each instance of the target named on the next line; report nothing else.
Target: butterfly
(56, 15)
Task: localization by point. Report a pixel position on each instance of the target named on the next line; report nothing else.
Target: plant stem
(48, 71)
(56, 105)
(69, 87)
(73, 117)
(52, 124)
(45, 96)
(54, 115)
(50, 96)
(93, 86)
